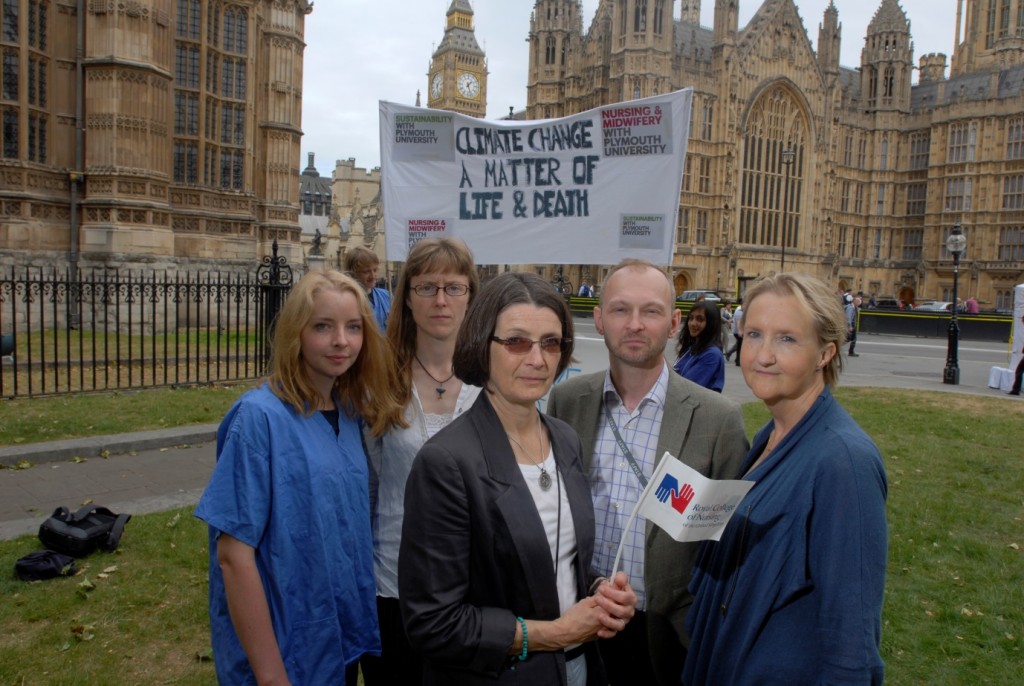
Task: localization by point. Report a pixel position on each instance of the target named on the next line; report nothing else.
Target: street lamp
(788, 155)
(955, 244)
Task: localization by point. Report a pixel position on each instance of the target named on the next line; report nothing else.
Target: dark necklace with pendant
(545, 478)
(440, 384)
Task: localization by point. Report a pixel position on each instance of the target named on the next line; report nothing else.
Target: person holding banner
(362, 265)
(627, 418)
(434, 290)
(792, 592)
(494, 575)
(700, 356)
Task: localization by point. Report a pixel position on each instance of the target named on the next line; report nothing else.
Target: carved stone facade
(882, 168)
(188, 145)
(457, 78)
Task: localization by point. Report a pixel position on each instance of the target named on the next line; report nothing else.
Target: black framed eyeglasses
(429, 290)
(520, 345)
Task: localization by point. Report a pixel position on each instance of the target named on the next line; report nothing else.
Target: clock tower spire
(457, 79)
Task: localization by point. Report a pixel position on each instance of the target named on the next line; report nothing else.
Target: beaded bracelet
(522, 655)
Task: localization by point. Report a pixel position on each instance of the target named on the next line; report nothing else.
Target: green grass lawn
(953, 615)
(32, 420)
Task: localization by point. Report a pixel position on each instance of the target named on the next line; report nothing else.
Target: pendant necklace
(545, 478)
(440, 384)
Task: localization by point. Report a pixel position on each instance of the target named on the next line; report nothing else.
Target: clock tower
(457, 79)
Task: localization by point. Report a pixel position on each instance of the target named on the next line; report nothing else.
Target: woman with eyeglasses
(494, 575)
(435, 287)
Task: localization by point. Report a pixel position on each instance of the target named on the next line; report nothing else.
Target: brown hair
(360, 258)
(472, 360)
(449, 255)
(820, 305)
(366, 389)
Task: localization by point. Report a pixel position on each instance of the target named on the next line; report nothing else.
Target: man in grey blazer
(641, 407)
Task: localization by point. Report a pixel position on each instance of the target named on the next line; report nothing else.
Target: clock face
(435, 86)
(469, 87)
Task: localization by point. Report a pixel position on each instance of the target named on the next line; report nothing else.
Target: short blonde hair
(366, 389)
(820, 305)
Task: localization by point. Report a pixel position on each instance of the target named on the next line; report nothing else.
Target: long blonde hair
(366, 389)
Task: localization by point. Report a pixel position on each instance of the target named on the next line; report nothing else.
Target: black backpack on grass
(80, 533)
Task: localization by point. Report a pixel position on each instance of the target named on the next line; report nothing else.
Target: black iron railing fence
(110, 330)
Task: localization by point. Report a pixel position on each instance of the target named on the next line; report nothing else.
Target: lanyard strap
(623, 447)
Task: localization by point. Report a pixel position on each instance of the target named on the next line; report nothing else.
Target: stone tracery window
(770, 212)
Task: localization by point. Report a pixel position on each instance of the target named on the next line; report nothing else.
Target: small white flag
(688, 505)
(685, 503)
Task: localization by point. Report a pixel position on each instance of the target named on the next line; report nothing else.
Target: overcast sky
(361, 51)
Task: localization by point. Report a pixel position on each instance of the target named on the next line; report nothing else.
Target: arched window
(769, 207)
(885, 154)
(549, 50)
(640, 16)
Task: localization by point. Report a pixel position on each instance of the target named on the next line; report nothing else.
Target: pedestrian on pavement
(362, 264)
(291, 553)
(700, 359)
(852, 308)
(435, 288)
(628, 416)
(726, 329)
(494, 572)
(1018, 374)
(792, 592)
(737, 333)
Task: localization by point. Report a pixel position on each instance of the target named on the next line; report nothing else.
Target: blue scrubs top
(287, 486)
(380, 301)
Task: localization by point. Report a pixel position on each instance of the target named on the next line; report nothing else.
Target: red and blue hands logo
(669, 491)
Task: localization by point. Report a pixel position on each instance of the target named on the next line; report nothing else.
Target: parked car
(886, 304)
(935, 306)
(711, 296)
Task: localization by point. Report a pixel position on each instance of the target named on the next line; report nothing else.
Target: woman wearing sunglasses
(494, 570)
(433, 293)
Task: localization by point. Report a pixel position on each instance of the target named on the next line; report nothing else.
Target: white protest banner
(591, 188)
(688, 505)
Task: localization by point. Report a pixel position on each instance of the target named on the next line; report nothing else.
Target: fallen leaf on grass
(101, 575)
(1009, 636)
(85, 587)
(174, 521)
(1014, 546)
(65, 647)
(83, 633)
(110, 569)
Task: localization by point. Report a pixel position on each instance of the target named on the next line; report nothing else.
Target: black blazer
(474, 553)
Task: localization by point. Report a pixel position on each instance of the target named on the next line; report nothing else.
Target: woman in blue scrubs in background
(291, 557)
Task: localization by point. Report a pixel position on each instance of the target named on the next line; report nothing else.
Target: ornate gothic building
(457, 77)
(856, 175)
(157, 132)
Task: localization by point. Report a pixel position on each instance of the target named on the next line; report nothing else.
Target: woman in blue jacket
(792, 592)
(700, 357)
